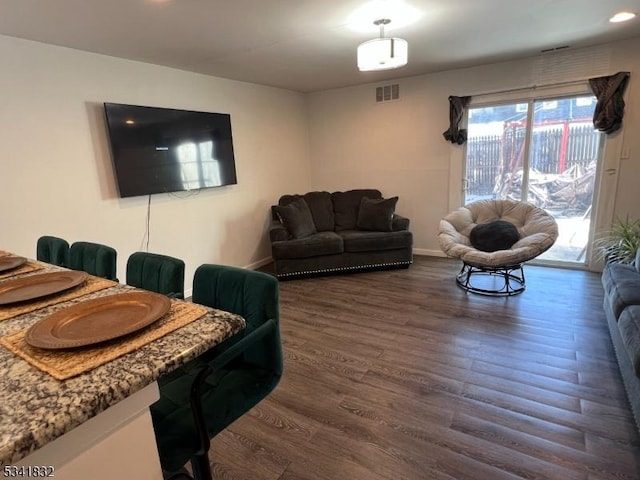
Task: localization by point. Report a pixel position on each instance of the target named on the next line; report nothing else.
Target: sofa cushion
(616, 272)
(629, 326)
(363, 241)
(376, 214)
(399, 223)
(322, 243)
(321, 208)
(494, 236)
(346, 206)
(296, 217)
(622, 286)
(278, 232)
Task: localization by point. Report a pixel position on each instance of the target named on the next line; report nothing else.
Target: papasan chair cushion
(538, 231)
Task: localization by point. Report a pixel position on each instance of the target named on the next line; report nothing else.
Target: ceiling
(309, 45)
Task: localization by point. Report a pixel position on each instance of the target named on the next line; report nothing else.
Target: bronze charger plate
(36, 286)
(98, 320)
(10, 261)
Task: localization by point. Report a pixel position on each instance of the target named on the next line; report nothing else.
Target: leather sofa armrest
(399, 223)
(278, 232)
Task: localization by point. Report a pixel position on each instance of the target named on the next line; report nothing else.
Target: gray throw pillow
(296, 217)
(494, 236)
(376, 214)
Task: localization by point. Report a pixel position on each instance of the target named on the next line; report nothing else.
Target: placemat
(24, 268)
(93, 284)
(64, 364)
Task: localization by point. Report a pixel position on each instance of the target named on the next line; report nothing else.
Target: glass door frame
(609, 153)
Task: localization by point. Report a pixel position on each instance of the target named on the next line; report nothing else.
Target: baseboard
(258, 264)
(428, 253)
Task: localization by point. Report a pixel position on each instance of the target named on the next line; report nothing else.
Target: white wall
(57, 177)
(398, 146)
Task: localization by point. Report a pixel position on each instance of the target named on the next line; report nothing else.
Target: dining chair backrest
(203, 397)
(253, 295)
(53, 250)
(93, 258)
(155, 272)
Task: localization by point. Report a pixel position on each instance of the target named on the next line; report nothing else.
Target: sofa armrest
(278, 232)
(399, 223)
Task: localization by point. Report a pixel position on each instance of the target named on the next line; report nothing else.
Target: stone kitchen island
(95, 423)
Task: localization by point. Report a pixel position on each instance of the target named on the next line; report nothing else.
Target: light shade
(382, 54)
(622, 17)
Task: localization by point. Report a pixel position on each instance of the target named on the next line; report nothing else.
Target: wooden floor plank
(402, 375)
(529, 445)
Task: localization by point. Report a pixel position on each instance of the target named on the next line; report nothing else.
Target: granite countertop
(36, 408)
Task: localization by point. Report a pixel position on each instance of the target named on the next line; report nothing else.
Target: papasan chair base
(510, 280)
(496, 272)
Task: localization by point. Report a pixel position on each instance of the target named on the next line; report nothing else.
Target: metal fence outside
(555, 149)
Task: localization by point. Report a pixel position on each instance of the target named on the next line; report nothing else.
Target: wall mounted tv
(158, 150)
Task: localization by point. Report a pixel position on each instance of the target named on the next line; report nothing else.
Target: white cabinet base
(117, 443)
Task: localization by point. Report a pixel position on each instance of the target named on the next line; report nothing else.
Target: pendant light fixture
(382, 53)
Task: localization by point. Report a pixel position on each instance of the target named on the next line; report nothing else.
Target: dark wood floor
(402, 375)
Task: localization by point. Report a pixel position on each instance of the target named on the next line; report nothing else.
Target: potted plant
(621, 243)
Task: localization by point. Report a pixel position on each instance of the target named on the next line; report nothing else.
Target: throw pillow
(376, 213)
(494, 236)
(296, 217)
(346, 205)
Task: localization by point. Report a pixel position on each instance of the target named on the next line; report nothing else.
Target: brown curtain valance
(609, 111)
(455, 134)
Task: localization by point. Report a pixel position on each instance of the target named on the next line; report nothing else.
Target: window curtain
(609, 111)
(455, 134)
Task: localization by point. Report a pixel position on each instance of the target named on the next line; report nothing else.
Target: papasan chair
(497, 255)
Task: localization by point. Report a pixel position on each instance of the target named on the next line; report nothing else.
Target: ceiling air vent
(388, 93)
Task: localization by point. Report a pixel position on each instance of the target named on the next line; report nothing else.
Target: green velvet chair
(53, 250)
(157, 273)
(202, 398)
(93, 258)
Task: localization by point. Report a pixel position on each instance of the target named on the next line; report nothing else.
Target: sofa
(320, 233)
(621, 284)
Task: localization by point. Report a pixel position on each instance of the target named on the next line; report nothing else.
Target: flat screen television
(159, 150)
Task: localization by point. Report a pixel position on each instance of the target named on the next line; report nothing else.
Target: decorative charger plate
(10, 261)
(98, 320)
(36, 286)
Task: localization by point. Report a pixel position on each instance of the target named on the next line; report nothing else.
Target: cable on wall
(147, 231)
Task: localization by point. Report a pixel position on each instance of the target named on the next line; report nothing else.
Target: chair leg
(200, 466)
(512, 275)
(181, 475)
(200, 459)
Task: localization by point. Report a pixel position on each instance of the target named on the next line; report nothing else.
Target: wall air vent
(388, 93)
(559, 64)
(554, 49)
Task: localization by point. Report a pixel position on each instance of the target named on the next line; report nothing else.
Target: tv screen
(158, 150)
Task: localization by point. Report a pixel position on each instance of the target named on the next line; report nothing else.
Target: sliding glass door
(544, 151)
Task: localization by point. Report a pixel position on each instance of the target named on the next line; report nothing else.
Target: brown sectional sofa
(348, 231)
